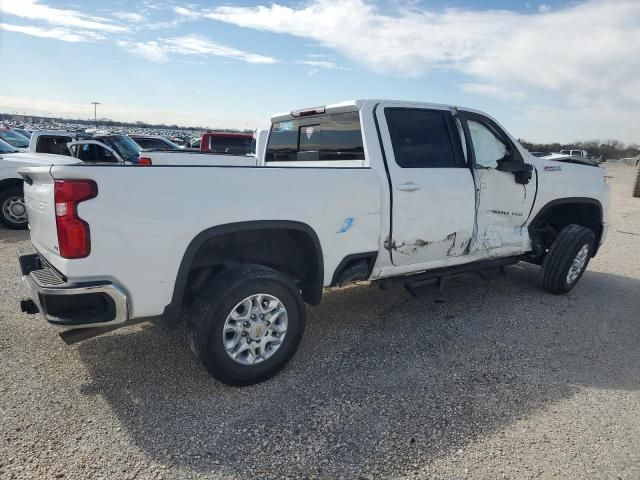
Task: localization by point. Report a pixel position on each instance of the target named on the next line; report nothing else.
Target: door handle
(408, 187)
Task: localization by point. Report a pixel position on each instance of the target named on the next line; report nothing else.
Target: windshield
(6, 148)
(21, 131)
(125, 146)
(14, 138)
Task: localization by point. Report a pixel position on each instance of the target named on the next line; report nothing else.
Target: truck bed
(344, 209)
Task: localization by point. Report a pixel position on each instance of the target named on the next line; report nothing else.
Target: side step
(412, 283)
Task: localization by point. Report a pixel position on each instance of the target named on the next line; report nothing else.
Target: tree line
(609, 149)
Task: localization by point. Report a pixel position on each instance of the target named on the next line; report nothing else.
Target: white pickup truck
(362, 190)
(13, 212)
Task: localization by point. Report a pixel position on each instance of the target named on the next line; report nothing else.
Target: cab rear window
(334, 136)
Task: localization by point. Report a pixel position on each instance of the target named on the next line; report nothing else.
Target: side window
(334, 136)
(421, 138)
(151, 143)
(487, 147)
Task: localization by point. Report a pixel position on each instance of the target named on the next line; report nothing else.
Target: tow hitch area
(28, 306)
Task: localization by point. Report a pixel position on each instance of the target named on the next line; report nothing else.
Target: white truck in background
(377, 190)
(13, 211)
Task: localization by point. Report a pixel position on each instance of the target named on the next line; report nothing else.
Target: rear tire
(13, 211)
(567, 259)
(246, 324)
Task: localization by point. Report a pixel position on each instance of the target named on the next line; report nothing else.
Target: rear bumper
(71, 305)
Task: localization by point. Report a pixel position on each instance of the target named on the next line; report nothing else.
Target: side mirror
(521, 171)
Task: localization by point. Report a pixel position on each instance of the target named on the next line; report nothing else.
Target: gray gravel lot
(492, 378)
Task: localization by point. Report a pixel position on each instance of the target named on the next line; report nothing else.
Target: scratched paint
(346, 225)
(441, 248)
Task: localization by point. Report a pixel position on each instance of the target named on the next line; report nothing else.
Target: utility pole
(95, 112)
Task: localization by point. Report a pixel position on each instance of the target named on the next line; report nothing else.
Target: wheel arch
(584, 211)
(311, 288)
(7, 183)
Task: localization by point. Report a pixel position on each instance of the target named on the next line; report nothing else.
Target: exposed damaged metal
(411, 248)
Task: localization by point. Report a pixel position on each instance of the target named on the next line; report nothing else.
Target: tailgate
(38, 195)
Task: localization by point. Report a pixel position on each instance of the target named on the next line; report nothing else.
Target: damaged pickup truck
(361, 190)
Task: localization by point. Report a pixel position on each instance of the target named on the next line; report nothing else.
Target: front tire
(13, 211)
(246, 324)
(567, 259)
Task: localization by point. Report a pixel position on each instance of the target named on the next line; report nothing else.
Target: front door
(432, 189)
(503, 204)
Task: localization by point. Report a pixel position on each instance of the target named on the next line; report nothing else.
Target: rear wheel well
(8, 183)
(288, 247)
(557, 215)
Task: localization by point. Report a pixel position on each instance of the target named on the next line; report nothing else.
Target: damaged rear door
(432, 189)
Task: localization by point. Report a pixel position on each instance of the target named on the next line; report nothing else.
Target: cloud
(152, 50)
(490, 90)
(62, 34)
(186, 12)
(544, 8)
(327, 64)
(130, 17)
(517, 52)
(161, 50)
(34, 10)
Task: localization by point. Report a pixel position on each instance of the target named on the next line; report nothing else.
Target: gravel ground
(492, 378)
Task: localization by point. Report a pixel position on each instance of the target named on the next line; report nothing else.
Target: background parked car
(15, 139)
(22, 131)
(99, 147)
(13, 212)
(154, 142)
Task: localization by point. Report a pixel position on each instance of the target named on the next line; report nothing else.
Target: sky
(558, 70)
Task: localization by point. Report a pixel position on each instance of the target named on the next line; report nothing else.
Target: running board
(412, 283)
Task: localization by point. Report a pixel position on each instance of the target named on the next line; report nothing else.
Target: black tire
(562, 253)
(7, 195)
(636, 188)
(219, 298)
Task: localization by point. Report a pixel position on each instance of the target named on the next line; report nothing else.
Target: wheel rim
(255, 329)
(578, 264)
(15, 209)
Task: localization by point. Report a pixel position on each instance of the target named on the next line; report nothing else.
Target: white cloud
(151, 50)
(490, 90)
(160, 50)
(130, 17)
(328, 64)
(186, 12)
(34, 10)
(583, 51)
(543, 8)
(62, 34)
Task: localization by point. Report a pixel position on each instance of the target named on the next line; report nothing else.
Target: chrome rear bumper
(70, 305)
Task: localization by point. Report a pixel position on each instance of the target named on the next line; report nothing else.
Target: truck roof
(347, 106)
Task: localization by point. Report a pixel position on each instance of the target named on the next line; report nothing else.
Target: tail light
(74, 240)
(144, 161)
